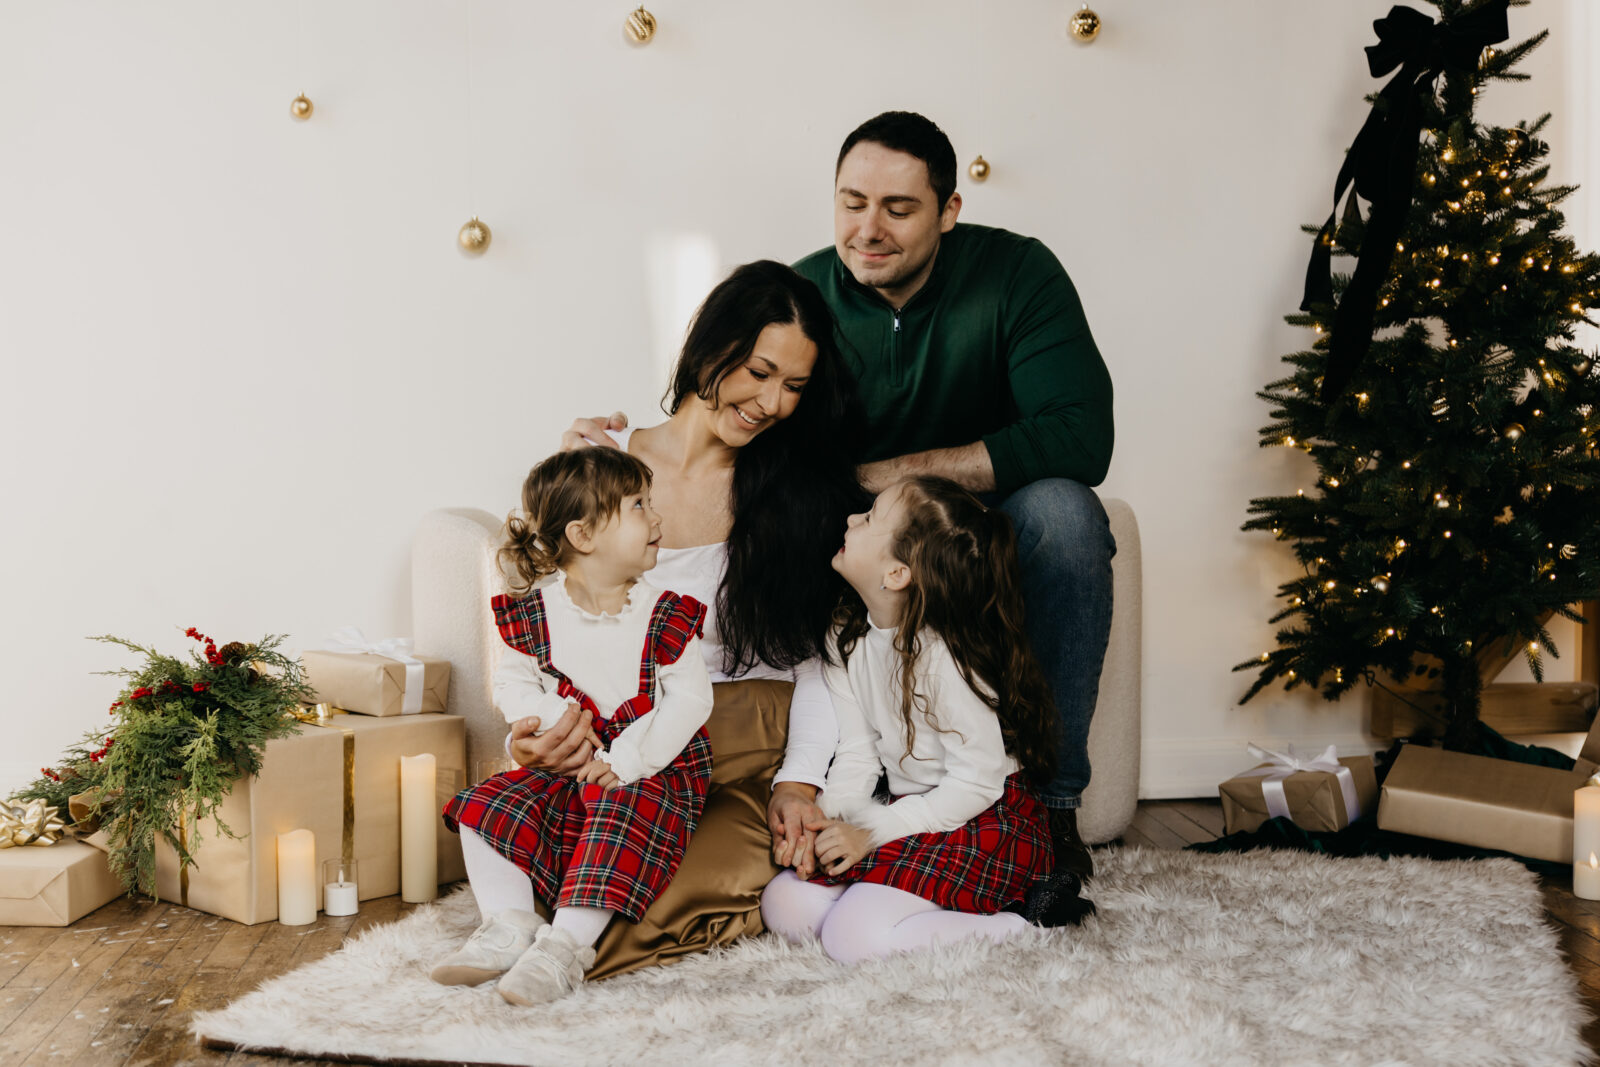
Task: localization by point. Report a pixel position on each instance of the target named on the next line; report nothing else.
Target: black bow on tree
(1382, 162)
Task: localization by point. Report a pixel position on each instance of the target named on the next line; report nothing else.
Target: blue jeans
(1065, 545)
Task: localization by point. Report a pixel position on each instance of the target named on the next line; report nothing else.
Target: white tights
(865, 921)
(500, 885)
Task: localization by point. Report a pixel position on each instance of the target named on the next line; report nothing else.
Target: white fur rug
(1264, 958)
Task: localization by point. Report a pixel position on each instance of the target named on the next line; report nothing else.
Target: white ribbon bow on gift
(351, 639)
(1281, 765)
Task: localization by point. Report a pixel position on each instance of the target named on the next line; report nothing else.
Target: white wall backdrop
(242, 355)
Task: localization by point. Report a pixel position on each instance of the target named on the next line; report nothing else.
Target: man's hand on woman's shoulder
(591, 433)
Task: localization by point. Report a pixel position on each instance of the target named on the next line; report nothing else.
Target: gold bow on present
(33, 823)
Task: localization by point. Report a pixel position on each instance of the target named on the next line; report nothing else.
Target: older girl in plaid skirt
(938, 690)
(585, 630)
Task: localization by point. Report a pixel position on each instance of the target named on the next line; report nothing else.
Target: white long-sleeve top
(601, 655)
(958, 763)
(813, 731)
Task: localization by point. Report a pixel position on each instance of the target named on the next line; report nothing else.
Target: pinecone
(233, 651)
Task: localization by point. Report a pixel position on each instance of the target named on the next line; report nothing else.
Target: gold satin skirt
(715, 898)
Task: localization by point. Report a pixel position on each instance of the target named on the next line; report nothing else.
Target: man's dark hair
(909, 132)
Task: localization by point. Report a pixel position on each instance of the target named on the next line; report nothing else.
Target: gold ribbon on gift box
(322, 715)
(33, 823)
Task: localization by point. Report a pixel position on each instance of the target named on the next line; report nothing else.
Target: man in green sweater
(974, 361)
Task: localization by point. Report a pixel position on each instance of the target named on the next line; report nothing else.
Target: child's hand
(791, 805)
(840, 845)
(600, 773)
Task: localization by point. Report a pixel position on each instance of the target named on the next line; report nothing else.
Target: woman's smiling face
(766, 388)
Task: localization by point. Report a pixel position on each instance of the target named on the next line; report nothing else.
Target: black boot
(1055, 901)
(1071, 853)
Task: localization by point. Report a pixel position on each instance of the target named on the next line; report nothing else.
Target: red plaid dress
(583, 845)
(980, 867)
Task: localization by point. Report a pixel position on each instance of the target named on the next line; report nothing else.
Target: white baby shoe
(549, 970)
(492, 949)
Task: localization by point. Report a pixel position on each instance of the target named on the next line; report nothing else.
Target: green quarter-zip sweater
(994, 348)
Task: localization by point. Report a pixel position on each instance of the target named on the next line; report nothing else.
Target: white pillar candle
(339, 894)
(297, 878)
(419, 843)
(1586, 843)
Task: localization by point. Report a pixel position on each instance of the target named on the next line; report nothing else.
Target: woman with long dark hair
(753, 476)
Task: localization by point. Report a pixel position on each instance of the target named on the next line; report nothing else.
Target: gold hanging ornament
(978, 170)
(33, 823)
(1085, 25)
(1514, 432)
(300, 107)
(640, 26)
(474, 237)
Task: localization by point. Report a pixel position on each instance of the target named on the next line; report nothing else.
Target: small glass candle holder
(485, 769)
(339, 894)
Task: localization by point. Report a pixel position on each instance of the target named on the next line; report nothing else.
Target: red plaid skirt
(981, 867)
(581, 844)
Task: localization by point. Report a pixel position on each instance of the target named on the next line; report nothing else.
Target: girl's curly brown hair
(586, 485)
(963, 562)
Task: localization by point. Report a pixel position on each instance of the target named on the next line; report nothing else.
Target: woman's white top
(957, 766)
(698, 572)
(601, 655)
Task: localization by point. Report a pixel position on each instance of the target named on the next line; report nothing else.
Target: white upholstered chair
(453, 575)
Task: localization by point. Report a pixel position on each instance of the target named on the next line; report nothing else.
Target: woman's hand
(566, 746)
(591, 433)
(791, 806)
(600, 773)
(840, 845)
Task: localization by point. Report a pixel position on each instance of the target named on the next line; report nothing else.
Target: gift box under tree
(1321, 794)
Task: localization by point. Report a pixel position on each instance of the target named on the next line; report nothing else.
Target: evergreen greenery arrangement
(185, 732)
(1453, 509)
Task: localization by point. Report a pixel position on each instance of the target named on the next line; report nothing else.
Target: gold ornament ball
(979, 169)
(474, 237)
(300, 107)
(1514, 432)
(1085, 25)
(641, 26)
(1380, 583)
(1581, 367)
(1516, 141)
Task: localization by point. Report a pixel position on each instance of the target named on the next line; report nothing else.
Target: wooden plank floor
(118, 986)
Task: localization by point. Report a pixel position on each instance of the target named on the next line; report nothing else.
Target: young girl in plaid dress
(937, 689)
(585, 629)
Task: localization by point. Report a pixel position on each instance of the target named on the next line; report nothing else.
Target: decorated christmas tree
(1448, 414)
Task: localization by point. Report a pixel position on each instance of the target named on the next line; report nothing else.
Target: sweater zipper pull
(897, 321)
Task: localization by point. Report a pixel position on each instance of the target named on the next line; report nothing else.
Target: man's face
(887, 221)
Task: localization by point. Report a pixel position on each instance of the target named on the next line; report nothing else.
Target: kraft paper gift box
(341, 781)
(54, 885)
(382, 678)
(1484, 802)
(1318, 794)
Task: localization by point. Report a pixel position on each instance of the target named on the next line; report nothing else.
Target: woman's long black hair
(793, 484)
